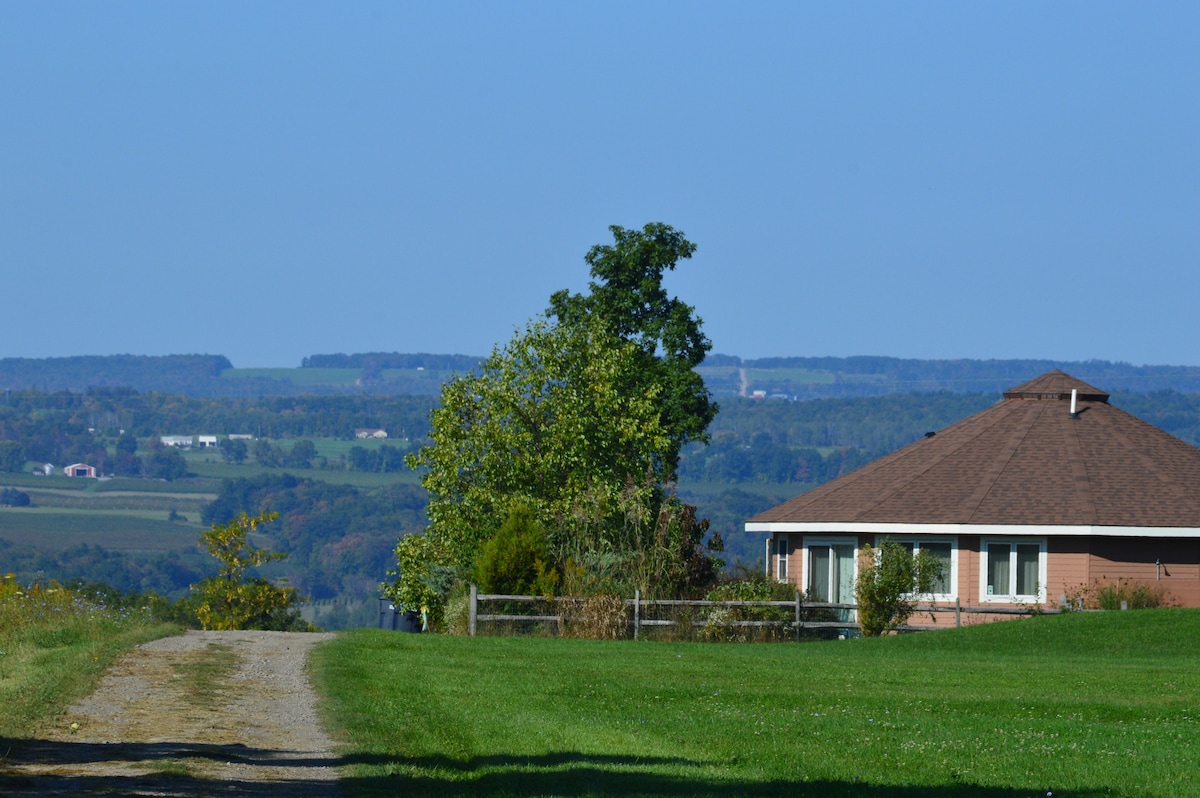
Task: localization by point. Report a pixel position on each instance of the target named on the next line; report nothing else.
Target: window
(1013, 570)
(831, 572)
(946, 550)
(782, 550)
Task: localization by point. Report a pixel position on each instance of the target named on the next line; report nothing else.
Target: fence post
(797, 616)
(957, 613)
(637, 611)
(471, 613)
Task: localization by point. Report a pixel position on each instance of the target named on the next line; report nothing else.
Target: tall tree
(552, 421)
(627, 293)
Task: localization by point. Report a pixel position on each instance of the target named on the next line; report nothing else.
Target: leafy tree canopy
(627, 294)
(552, 420)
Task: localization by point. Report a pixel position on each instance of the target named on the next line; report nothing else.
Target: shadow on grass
(28, 767)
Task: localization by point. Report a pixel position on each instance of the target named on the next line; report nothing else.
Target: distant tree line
(875, 376)
(391, 360)
(141, 372)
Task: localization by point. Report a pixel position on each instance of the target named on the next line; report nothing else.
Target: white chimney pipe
(1074, 396)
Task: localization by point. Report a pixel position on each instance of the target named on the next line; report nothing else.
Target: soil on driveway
(204, 713)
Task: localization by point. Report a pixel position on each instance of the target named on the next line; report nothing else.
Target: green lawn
(1074, 705)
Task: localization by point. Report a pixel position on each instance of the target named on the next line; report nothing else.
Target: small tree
(889, 581)
(516, 560)
(233, 599)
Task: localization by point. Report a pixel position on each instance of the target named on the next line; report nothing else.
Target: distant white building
(46, 470)
(206, 441)
(178, 441)
(369, 432)
(239, 436)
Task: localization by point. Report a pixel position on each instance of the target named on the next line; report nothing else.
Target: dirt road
(204, 713)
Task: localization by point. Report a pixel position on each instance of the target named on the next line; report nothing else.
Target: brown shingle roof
(1024, 460)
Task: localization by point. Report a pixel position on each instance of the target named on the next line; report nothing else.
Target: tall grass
(55, 644)
(1074, 705)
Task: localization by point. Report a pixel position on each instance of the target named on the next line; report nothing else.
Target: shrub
(516, 560)
(888, 582)
(1109, 595)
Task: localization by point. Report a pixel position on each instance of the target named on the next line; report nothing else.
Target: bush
(889, 580)
(1109, 595)
(516, 560)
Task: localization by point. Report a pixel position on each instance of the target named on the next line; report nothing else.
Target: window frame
(783, 551)
(951, 577)
(806, 558)
(1013, 597)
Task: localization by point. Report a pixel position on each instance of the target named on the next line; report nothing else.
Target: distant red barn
(80, 470)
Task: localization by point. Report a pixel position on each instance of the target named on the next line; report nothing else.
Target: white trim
(989, 530)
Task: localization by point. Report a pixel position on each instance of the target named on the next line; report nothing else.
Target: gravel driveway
(203, 713)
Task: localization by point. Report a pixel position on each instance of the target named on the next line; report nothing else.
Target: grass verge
(54, 647)
(1074, 705)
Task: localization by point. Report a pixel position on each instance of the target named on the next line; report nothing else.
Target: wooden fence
(799, 622)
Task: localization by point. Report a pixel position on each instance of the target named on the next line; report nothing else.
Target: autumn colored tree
(237, 598)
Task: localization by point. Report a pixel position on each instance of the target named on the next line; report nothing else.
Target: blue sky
(272, 180)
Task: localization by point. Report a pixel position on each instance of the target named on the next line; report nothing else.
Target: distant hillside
(837, 377)
(396, 373)
(169, 374)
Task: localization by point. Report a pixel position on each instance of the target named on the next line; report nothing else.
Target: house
(1047, 491)
(178, 441)
(45, 470)
(369, 432)
(206, 441)
(80, 470)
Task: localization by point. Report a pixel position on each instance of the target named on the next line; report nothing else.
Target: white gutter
(991, 530)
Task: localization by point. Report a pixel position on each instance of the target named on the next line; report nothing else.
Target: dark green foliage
(12, 456)
(386, 459)
(234, 450)
(165, 574)
(516, 560)
(338, 538)
(164, 462)
(11, 497)
(302, 454)
(628, 295)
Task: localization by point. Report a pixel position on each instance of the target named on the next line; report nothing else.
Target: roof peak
(1056, 385)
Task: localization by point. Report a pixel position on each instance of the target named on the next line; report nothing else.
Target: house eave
(987, 530)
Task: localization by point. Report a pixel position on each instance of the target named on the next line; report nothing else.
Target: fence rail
(799, 623)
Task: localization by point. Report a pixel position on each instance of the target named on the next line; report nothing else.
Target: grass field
(132, 530)
(1073, 705)
(359, 479)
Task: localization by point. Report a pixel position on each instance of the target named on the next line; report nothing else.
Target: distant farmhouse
(369, 432)
(80, 470)
(178, 441)
(1043, 493)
